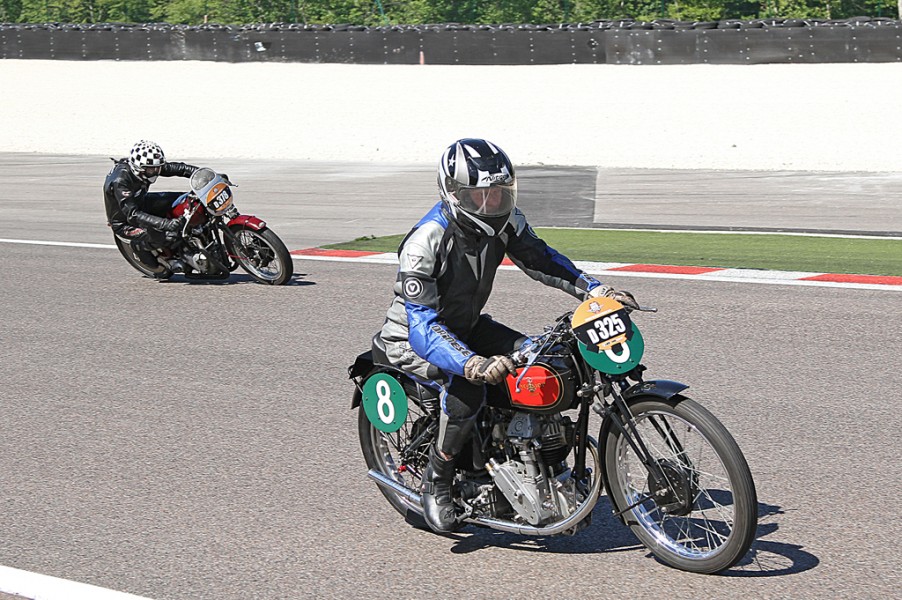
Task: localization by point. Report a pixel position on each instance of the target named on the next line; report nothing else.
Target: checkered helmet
(477, 183)
(146, 160)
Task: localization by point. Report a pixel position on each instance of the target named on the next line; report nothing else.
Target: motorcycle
(216, 238)
(673, 473)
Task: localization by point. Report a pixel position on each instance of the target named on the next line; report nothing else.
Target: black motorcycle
(672, 472)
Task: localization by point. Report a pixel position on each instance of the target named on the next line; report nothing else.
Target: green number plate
(385, 402)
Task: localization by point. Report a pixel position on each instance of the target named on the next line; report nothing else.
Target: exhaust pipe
(501, 525)
(393, 486)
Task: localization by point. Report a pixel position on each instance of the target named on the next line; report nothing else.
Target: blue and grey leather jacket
(445, 278)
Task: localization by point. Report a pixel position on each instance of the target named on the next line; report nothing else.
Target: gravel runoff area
(827, 117)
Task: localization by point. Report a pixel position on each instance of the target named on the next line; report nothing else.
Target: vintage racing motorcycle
(216, 238)
(672, 472)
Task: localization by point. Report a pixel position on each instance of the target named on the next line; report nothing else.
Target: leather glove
(622, 296)
(480, 369)
(173, 224)
(625, 298)
(599, 291)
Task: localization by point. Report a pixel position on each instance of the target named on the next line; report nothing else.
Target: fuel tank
(549, 385)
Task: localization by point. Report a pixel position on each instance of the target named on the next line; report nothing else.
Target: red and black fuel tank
(549, 385)
(199, 216)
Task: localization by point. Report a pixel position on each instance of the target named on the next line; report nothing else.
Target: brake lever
(189, 214)
(521, 359)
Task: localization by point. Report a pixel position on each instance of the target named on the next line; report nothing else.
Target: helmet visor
(151, 171)
(493, 201)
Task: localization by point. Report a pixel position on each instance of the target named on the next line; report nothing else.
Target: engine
(535, 478)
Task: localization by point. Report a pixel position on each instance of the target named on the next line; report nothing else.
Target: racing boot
(143, 253)
(438, 505)
(148, 259)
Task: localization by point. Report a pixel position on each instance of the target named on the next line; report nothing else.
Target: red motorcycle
(216, 238)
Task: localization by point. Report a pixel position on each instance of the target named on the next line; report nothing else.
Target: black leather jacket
(123, 195)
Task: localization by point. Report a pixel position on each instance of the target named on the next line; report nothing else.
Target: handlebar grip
(518, 358)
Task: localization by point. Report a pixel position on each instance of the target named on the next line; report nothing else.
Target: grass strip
(874, 256)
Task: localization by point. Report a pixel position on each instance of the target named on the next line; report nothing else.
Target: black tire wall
(601, 42)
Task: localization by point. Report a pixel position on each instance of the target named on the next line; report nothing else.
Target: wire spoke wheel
(403, 454)
(700, 513)
(262, 254)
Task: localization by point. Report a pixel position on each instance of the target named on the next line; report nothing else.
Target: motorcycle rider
(136, 214)
(434, 329)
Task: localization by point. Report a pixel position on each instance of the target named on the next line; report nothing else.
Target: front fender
(248, 221)
(659, 388)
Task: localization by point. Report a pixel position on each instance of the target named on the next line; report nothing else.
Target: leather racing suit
(435, 322)
(133, 212)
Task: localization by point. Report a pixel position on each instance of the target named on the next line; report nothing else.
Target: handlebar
(532, 349)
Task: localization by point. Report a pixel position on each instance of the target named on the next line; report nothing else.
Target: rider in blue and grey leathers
(434, 329)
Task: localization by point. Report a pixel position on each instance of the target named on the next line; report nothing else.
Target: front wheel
(261, 253)
(701, 515)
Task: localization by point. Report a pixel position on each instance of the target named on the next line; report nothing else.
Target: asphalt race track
(194, 441)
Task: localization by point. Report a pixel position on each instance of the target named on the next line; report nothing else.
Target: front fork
(616, 414)
(245, 221)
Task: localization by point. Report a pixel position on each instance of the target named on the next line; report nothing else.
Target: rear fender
(248, 221)
(363, 367)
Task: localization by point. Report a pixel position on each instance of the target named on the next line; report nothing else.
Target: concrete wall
(804, 117)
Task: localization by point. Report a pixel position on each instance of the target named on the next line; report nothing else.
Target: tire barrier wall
(602, 42)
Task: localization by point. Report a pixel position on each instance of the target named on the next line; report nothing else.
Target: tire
(262, 254)
(704, 520)
(125, 248)
(392, 455)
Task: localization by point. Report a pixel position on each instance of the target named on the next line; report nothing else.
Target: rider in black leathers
(136, 214)
(434, 329)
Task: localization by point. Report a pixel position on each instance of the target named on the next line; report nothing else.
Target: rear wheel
(262, 254)
(125, 248)
(403, 454)
(702, 517)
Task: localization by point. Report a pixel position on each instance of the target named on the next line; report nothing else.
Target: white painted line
(380, 259)
(35, 586)
(68, 244)
(759, 274)
(849, 236)
(759, 280)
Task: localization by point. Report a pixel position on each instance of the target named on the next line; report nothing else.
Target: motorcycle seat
(379, 355)
(414, 388)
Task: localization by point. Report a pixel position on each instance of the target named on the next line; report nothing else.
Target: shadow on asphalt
(766, 558)
(240, 278)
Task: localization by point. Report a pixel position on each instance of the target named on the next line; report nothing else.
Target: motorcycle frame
(593, 392)
(216, 223)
